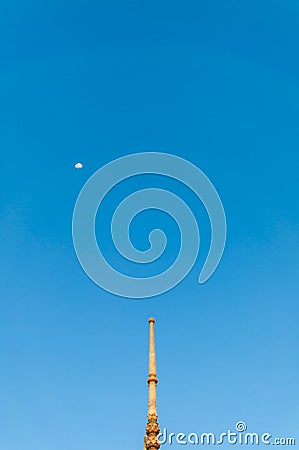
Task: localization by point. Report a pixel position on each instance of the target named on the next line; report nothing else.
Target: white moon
(78, 165)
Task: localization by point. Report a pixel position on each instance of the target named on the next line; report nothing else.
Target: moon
(78, 165)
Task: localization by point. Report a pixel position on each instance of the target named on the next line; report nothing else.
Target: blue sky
(216, 83)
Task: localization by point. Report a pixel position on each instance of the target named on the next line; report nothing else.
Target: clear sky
(216, 82)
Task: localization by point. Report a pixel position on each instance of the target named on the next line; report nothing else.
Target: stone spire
(152, 427)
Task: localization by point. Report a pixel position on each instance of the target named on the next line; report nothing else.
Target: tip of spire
(151, 319)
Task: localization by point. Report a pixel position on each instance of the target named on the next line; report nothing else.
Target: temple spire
(152, 427)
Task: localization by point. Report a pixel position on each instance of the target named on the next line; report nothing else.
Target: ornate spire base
(152, 431)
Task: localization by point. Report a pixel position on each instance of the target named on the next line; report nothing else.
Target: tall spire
(152, 427)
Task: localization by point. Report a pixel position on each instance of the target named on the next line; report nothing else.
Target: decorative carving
(152, 378)
(152, 417)
(152, 427)
(152, 443)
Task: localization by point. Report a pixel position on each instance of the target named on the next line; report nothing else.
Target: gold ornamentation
(152, 443)
(152, 417)
(152, 427)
